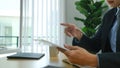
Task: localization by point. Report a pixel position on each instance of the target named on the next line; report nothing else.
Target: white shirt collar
(118, 8)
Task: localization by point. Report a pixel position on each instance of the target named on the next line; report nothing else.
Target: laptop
(26, 56)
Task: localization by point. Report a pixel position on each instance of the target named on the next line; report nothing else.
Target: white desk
(20, 63)
(44, 61)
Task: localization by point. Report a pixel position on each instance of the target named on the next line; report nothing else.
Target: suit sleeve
(91, 44)
(109, 60)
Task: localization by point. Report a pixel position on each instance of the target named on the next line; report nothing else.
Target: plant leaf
(79, 19)
(82, 10)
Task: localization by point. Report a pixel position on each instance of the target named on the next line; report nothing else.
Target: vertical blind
(41, 20)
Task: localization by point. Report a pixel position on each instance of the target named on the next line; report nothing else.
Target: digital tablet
(52, 44)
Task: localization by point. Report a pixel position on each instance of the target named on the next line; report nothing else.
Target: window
(23, 21)
(9, 22)
(41, 20)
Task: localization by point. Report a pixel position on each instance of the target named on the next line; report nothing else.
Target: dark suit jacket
(107, 59)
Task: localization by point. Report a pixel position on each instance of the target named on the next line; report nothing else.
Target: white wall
(70, 13)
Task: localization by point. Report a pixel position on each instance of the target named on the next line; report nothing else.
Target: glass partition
(9, 23)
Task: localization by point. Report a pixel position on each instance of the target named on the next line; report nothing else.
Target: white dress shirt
(113, 34)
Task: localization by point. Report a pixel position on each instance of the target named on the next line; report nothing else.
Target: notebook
(26, 56)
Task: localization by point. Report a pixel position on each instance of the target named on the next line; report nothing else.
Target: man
(106, 39)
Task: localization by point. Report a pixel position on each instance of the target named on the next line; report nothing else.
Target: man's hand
(72, 31)
(78, 55)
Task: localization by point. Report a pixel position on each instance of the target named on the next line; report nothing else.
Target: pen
(67, 61)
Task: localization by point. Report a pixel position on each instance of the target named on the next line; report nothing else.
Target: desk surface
(41, 63)
(27, 63)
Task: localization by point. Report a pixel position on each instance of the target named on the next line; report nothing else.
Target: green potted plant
(93, 11)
